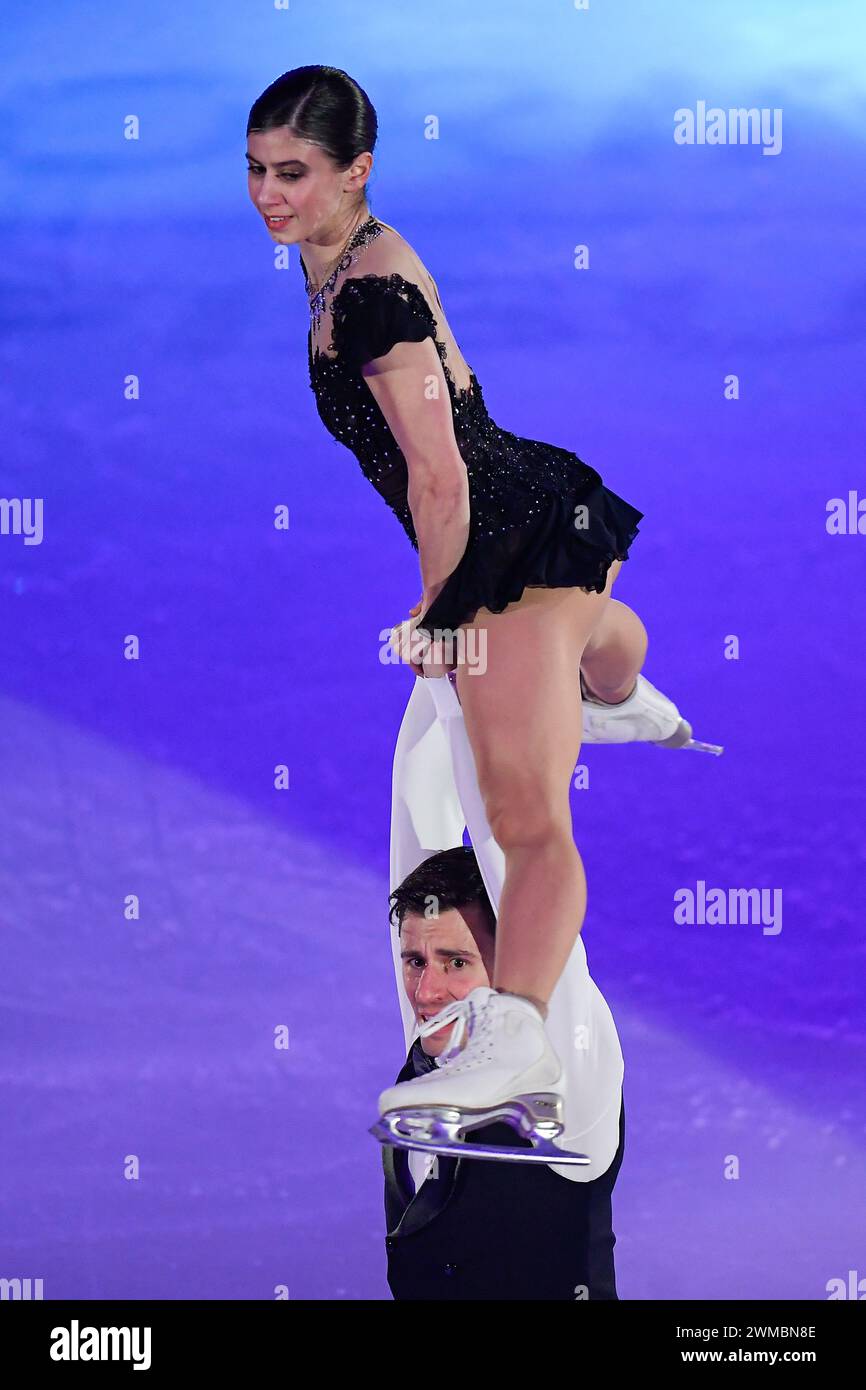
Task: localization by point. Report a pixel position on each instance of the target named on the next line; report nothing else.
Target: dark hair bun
(321, 104)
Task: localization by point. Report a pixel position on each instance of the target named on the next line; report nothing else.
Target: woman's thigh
(522, 706)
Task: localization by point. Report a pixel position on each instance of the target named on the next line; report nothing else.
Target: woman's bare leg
(524, 721)
(615, 653)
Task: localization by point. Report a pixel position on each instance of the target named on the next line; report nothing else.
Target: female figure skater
(517, 539)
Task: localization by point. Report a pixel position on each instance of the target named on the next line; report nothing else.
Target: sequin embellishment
(524, 494)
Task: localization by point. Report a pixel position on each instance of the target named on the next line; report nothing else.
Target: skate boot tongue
(464, 1013)
(486, 1014)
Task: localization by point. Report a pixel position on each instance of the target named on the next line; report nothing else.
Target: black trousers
(488, 1230)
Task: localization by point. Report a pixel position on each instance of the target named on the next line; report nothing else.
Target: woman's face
(294, 182)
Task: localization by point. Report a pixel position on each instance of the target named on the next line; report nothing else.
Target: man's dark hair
(450, 878)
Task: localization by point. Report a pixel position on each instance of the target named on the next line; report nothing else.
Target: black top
(404, 1208)
(539, 514)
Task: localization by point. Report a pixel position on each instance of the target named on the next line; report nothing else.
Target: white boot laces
(469, 1019)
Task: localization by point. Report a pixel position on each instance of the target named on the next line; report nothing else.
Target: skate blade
(441, 1130)
(682, 738)
(704, 747)
(542, 1150)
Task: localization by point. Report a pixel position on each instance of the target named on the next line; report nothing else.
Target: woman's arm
(440, 516)
(410, 389)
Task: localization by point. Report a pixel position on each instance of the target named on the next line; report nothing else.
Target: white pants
(434, 796)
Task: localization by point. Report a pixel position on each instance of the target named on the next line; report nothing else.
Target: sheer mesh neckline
(394, 281)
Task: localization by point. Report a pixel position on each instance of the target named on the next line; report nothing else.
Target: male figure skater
(473, 1228)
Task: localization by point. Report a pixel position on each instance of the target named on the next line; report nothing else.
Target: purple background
(262, 907)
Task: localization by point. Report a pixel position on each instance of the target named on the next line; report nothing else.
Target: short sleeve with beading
(370, 313)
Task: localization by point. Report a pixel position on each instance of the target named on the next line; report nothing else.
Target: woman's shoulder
(388, 256)
(384, 298)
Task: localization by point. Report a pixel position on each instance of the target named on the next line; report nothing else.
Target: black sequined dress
(539, 515)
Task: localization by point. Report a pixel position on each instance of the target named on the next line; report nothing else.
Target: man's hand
(405, 644)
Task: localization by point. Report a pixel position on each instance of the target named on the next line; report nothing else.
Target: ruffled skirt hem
(551, 551)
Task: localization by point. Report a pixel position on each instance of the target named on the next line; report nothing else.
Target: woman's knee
(523, 813)
(619, 642)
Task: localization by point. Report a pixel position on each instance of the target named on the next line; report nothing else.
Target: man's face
(444, 958)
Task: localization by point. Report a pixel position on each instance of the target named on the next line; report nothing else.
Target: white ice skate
(647, 716)
(503, 1072)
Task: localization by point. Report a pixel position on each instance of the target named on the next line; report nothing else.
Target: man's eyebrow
(283, 164)
(441, 951)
